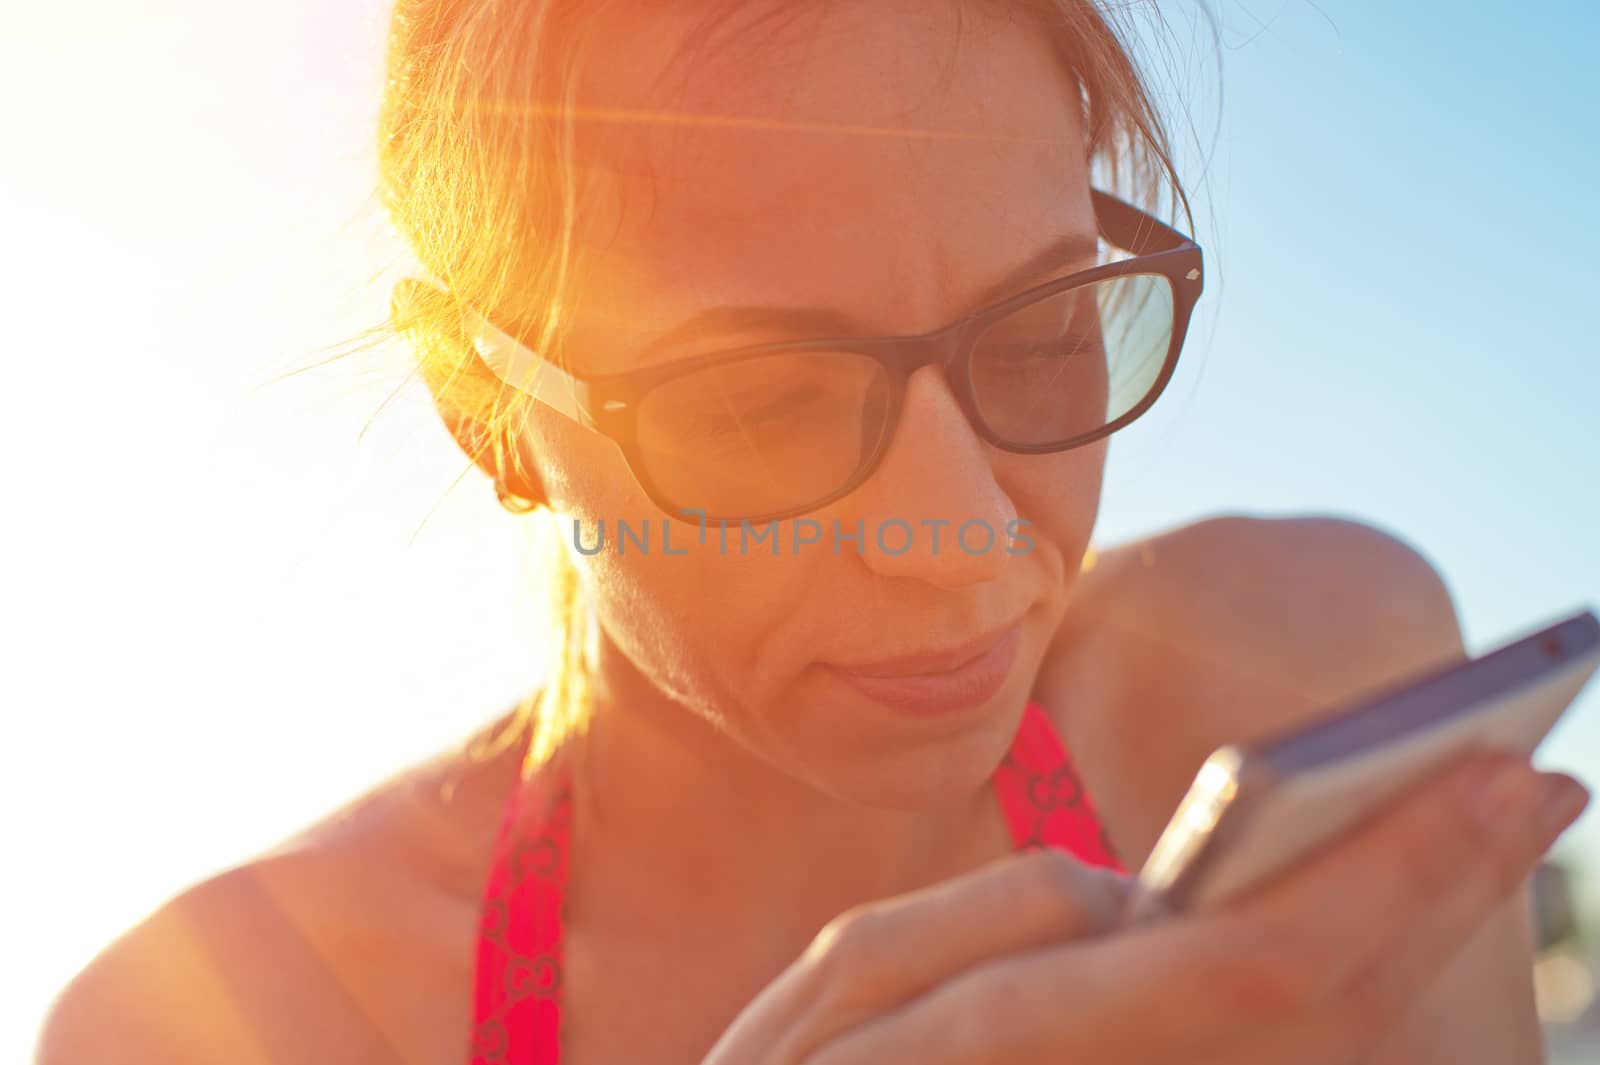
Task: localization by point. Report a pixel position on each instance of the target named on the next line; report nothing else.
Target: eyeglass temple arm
(510, 360)
(1133, 230)
(518, 366)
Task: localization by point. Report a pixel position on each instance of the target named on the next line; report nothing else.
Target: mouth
(930, 663)
(953, 678)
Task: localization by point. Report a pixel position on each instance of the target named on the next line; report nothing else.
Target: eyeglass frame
(608, 403)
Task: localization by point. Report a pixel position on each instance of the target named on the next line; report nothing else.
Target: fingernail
(1560, 803)
(1503, 800)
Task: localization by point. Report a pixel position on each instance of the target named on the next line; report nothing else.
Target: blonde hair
(477, 173)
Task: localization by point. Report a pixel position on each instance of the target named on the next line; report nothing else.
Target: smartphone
(1253, 809)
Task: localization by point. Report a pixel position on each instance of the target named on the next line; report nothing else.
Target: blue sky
(239, 604)
(1400, 209)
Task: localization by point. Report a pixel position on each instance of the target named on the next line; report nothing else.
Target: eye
(720, 421)
(791, 401)
(1040, 351)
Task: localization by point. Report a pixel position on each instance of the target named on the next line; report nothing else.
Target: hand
(1023, 961)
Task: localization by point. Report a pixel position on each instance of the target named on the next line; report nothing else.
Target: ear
(464, 390)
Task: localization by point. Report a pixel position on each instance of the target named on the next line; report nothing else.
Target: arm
(236, 970)
(158, 994)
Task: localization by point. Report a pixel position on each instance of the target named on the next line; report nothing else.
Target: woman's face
(884, 220)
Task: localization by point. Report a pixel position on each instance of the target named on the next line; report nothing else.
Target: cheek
(1059, 495)
(717, 630)
(583, 472)
(705, 623)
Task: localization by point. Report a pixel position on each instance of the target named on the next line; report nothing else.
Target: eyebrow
(829, 321)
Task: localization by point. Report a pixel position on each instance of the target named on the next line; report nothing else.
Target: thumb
(898, 948)
(874, 958)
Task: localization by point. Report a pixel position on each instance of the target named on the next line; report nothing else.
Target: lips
(956, 679)
(927, 663)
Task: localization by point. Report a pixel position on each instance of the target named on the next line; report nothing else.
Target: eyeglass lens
(776, 432)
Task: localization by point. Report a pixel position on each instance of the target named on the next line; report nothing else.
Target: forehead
(887, 160)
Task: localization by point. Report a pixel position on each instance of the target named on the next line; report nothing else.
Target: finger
(1357, 1022)
(1096, 1000)
(1300, 958)
(877, 956)
(1023, 1008)
(924, 937)
(1446, 852)
(1353, 1024)
(1468, 836)
(1286, 950)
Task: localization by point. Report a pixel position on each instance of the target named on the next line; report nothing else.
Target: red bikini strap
(1044, 798)
(517, 1006)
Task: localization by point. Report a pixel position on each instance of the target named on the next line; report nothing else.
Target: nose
(933, 509)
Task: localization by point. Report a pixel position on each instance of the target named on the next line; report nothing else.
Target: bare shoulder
(1224, 630)
(351, 941)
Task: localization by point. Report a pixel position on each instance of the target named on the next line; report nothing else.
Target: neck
(679, 827)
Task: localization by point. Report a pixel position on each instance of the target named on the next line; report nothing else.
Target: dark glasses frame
(608, 403)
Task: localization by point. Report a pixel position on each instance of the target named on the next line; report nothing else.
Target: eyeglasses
(775, 430)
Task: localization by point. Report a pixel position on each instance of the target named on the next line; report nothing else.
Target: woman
(769, 808)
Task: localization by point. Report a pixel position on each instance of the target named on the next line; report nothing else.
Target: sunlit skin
(732, 797)
(900, 233)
